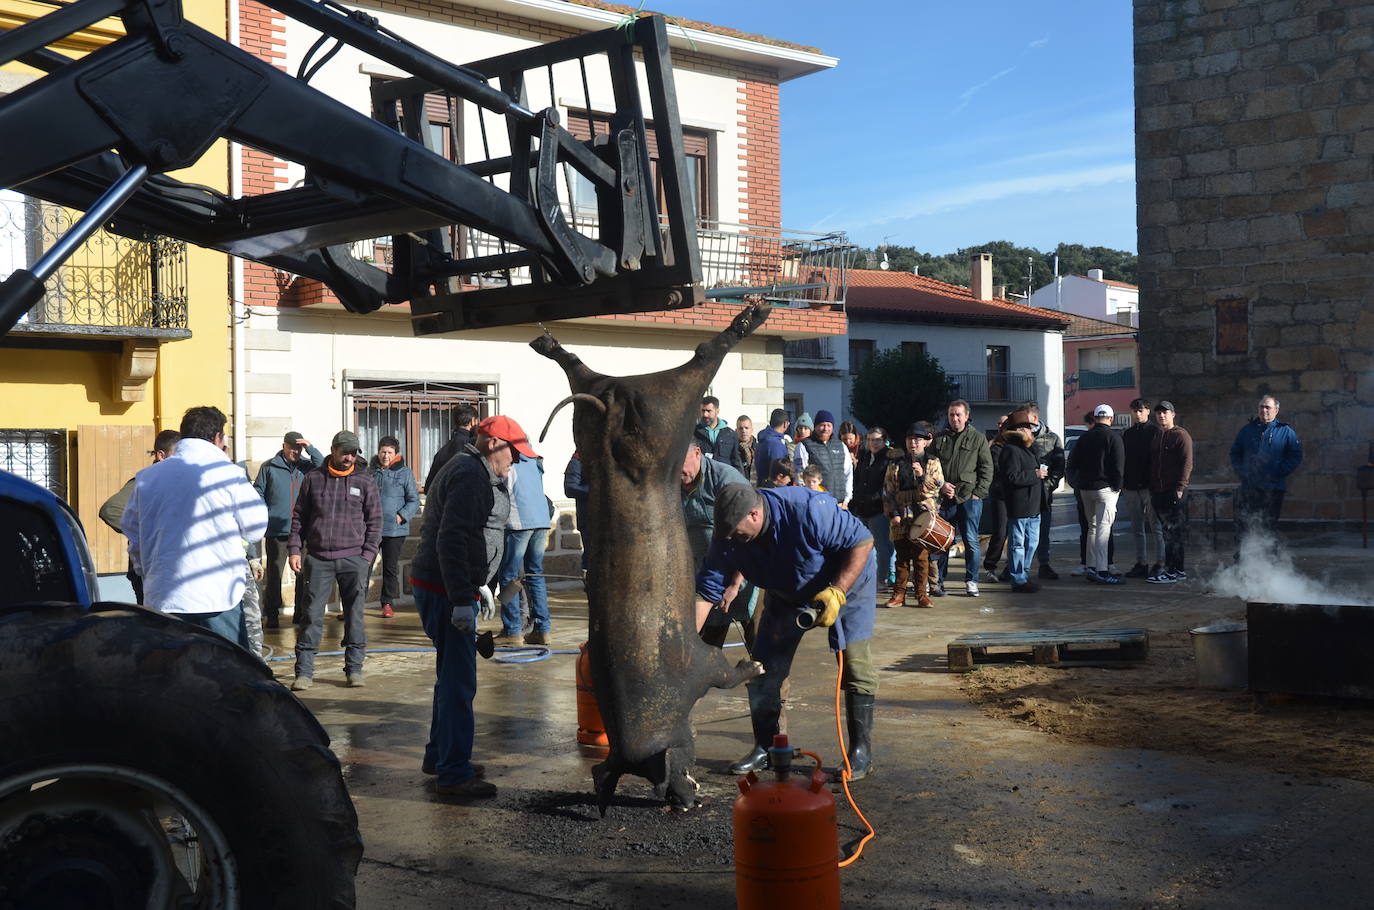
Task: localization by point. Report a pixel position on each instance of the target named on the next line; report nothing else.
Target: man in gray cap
(279, 483)
(338, 521)
(815, 562)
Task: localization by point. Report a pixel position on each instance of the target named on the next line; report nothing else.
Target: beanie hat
(825, 417)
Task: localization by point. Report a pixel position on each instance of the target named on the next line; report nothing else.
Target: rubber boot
(922, 576)
(898, 598)
(765, 724)
(859, 709)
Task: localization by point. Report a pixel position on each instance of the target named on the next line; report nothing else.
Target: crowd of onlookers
(202, 538)
(994, 490)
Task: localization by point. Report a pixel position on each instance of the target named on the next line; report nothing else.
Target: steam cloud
(1265, 572)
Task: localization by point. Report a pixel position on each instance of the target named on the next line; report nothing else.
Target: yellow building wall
(63, 389)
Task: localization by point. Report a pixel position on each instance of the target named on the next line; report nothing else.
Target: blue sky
(951, 124)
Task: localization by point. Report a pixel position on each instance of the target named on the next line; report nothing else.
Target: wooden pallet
(1049, 646)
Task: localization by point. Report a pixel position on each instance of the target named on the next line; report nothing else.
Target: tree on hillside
(895, 388)
(1009, 263)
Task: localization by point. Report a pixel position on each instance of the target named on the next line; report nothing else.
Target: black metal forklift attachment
(480, 226)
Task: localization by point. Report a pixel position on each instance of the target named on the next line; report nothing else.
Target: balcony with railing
(1119, 379)
(784, 267)
(994, 388)
(112, 287)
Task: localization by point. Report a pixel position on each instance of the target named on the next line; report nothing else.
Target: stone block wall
(1255, 201)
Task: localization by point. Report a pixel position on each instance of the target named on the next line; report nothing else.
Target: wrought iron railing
(988, 388)
(110, 282)
(778, 264)
(1121, 379)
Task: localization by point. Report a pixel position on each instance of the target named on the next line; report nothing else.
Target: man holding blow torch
(815, 562)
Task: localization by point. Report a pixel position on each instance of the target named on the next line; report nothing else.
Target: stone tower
(1255, 192)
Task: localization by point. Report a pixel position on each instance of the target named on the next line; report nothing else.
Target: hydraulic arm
(101, 133)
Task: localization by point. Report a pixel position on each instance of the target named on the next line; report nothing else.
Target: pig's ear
(576, 396)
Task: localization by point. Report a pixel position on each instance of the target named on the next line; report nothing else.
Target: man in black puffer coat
(1023, 492)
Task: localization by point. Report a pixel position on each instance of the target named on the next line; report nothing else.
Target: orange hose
(844, 775)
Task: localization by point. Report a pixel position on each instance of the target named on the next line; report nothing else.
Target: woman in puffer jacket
(400, 501)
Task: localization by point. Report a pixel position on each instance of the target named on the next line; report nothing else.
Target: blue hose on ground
(528, 654)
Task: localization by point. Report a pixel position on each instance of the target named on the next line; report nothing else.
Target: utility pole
(1030, 274)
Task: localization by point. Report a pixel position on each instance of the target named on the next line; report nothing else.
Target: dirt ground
(1157, 705)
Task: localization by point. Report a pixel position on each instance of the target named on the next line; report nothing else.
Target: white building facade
(999, 353)
(1094, 296)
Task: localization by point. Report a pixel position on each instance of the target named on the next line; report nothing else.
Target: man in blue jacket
(771, 445)
(795, 544)
(279, 483)
(1265, 452)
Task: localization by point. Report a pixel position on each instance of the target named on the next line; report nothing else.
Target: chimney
(1094, 274)
(981, 284)
(1000, 292)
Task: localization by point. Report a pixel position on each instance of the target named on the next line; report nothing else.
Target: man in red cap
(460, 551)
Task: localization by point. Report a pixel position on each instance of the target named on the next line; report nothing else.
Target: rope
(844, 775)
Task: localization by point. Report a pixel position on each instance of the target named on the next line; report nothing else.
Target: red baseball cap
(498, 426)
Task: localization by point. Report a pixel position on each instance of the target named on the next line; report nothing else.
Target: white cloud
(967, 94)
(1036, 184)
(1039, 42)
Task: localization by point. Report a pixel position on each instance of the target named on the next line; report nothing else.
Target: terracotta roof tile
(1087, 327)
(925, 299)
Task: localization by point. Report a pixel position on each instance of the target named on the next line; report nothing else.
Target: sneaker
(1029, 587)
(1079, 572)
(936, 591)
(1114, 571)
(990, 576)
(1139, 570)
(537, 637)
(1179, 575)
(972, 588)
(469, 788)
(1156, 569)
(387, 611)
(1047, 571)
(1107, 578)
(301, 683)
(355, 680)
(1162, 578)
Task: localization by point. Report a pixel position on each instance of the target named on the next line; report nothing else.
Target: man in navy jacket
(1265, 452)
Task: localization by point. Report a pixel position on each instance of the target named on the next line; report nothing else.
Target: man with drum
(911, 493)
(816, 564)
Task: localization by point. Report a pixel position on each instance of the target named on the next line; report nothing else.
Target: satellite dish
(884, 264)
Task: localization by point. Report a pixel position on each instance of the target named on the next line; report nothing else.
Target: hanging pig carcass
(648, 664)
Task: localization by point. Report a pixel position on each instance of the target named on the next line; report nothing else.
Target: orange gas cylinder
(786, 852)
(591, 729)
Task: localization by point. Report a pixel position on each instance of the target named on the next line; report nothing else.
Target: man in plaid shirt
(338, 519)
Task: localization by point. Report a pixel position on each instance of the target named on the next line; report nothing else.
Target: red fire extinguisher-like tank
(786, 852)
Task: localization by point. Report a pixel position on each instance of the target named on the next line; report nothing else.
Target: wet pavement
(970, 811)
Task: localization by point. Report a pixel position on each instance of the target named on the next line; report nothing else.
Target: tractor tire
(128, 709)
